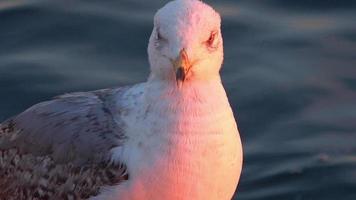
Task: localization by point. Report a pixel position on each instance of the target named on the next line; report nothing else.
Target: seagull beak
(181, 66)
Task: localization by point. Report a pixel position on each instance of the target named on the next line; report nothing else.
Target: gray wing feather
(77, 127)
(59, 149)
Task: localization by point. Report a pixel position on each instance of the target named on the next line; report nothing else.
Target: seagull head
(186, 42)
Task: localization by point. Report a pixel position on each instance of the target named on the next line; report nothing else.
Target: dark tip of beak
(180, 74)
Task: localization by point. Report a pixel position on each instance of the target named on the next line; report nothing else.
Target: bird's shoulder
(67, 127)
(62, 142)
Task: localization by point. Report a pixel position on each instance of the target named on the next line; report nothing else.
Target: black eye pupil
(211, 38)
(159, 36)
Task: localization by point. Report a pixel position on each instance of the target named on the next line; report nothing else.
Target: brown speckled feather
(60, 149)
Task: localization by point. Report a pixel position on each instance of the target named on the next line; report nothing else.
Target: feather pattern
(60, 149)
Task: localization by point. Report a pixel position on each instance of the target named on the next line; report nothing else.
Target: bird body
(186, 143)
(173, 137)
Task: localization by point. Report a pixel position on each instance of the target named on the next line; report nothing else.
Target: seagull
(173, 137)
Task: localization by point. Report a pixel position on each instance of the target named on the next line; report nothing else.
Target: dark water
(290, 72)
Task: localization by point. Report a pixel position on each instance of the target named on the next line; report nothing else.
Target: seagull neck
(157, 90)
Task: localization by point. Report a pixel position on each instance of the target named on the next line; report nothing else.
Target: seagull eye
(211, 42)
(158, 39)
(158, 35)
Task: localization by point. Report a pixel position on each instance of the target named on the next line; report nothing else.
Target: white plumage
(173, 137)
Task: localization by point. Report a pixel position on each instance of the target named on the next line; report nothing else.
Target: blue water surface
(289, 71)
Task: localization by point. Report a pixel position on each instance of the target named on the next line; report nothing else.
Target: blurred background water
(290, 72)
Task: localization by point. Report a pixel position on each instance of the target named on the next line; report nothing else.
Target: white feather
(183, 143)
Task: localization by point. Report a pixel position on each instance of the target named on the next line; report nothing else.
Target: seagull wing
(60, 149)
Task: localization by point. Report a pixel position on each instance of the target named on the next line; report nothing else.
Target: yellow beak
(181, 66)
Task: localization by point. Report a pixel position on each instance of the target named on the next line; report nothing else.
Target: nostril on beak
(183, 55)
